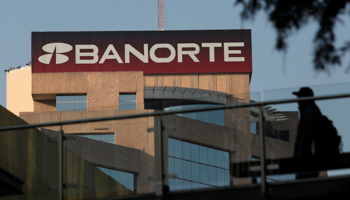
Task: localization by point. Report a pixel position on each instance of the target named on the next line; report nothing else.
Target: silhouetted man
(307, 128)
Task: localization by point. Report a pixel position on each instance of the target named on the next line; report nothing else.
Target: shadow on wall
(114, 157)
(31, 158)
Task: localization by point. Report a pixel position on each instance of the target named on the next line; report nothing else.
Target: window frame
(126, 102)
(76, 100)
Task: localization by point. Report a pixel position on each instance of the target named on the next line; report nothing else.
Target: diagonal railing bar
(241, 105)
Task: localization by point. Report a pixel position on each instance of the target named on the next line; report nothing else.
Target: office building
(81, 75)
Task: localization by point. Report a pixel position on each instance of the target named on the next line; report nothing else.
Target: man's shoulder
(313, 109)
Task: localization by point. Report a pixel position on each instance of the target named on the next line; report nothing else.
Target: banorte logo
(56, 48)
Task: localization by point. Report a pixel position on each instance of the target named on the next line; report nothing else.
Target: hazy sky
(271, 70)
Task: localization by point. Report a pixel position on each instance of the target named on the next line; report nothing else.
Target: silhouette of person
(307, 128)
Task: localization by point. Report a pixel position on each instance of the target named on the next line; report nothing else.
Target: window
(213, 116)
(127, 102)
(253, 126)
(109, 138)
(124, 178)
(71, 102)
(197, 166)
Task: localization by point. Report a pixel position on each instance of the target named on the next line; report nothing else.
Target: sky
(274, 73)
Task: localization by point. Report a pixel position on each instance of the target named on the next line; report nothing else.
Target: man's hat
(304, 92)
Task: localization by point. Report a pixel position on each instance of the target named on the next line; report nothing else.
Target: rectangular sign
(153, 52)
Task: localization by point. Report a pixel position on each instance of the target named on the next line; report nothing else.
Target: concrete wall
(102, 88)
(19, 90)
(129, 134)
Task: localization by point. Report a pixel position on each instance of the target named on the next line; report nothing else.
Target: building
(29, 167)
(80, 75)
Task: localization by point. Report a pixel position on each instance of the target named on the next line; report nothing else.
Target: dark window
(197, 166)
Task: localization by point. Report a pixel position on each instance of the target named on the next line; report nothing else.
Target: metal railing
(262, 119)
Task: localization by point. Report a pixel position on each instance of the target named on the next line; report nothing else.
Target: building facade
(200, 148)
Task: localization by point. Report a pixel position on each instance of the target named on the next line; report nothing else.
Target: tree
(288, 16)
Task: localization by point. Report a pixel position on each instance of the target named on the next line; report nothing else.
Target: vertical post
(262, 151)
(60, 165)
(160, 175)
(231, 159)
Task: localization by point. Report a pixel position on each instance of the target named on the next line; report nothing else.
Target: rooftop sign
(153, 52)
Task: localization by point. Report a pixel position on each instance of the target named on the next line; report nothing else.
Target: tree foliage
(288, 16)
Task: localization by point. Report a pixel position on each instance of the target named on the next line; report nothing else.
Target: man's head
(304, 92)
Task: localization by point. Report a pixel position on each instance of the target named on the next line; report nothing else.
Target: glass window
(191, 115)
(220, 175)
(124, 178)
(186, 151)
(172, 183)
(187, 185)
(127, 102)
(212, 175)
(80, 106)
(179, 184)
(203, 174)
(214, 117)
(211, 157)
(217, 117)
(68, 98)
(67, 106)
(220, 159)
(114, 174)
(194, 153)
(227, 177)
(226, 157)
(187, 170)
(197, 166)
(171, 166)
(171, 147)
(109, 138)
(178, 148)
(195, 185)
(80, 98)
(178, 168)
(202, 116)
(203, 152)
(130, 178)
(195, 172)
(71, 102)
(94, 137)
(253, 126)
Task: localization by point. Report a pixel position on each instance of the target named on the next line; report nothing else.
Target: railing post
(262, 151)
(60, 164)
(160, 181)
(161, 189)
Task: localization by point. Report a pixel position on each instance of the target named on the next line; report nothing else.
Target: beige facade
(102, 90)
(19, 90)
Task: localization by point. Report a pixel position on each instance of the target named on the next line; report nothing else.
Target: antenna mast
(161, 15)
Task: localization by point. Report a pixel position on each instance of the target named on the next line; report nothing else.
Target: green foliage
(288, 16)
